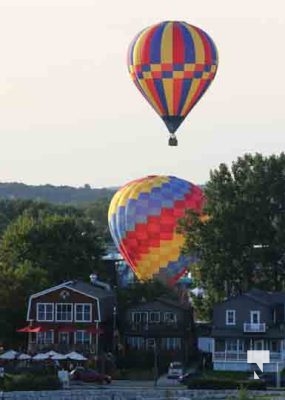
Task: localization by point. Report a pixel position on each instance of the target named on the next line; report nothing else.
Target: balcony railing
(254, 328)
(141, 327)
(242, 356)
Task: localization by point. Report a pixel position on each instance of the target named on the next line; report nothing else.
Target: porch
(231, 354)
(242, 356)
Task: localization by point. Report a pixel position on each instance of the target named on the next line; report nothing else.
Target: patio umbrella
(58, 356)
(75, 356)
(9, 355)
(51, 353)
(24, 356)
(41, 356)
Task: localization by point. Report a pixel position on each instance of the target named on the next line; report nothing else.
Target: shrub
(27, 382)
(226, 384)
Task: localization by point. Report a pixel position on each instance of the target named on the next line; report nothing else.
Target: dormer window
(169, 317)
(154, 317)
(230, 317)
(255, 317)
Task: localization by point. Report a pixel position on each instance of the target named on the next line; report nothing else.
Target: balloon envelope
(172, 64)
(143, 218)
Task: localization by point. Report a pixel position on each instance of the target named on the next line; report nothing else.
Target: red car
(89, 375)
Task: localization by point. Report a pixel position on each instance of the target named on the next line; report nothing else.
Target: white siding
(205, 344)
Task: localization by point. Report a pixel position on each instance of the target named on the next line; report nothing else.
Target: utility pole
(155, 363)
(114, 328)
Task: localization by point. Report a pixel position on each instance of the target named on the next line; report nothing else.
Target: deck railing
(250, 327)
(242, 356)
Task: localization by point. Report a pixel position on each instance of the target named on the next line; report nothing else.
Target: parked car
(175, 370)
(89, 375)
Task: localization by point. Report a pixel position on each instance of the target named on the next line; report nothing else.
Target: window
(83, 313)
(230, 317)
(135, 342)
(150, 343)
(171, 343)
(44, 311)
(255, 317)
(139, 317)
(64, 312)
(154, 317)
(274, 346)
(45, 337)
(82, 337)
(234, 345)
(169, 317)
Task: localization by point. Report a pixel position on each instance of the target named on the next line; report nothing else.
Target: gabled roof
(106, 298)
(162, 300)
(78, 286)
(173, 303)
(90, 290)
(261, 296)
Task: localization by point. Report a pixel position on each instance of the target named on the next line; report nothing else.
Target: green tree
(15, 287)
(242, 244)
(98, 212)
(10, 210)
(65, 246)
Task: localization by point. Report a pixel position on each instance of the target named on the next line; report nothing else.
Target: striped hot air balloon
(172, 64)
(143, 218)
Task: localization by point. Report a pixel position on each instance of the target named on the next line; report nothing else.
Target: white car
(175, 370)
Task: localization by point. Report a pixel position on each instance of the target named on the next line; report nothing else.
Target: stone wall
(128, 394)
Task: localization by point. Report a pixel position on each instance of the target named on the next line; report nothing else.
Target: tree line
(54, 194)
(41, 245)
(241, 244)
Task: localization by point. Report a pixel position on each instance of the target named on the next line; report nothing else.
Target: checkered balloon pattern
(143, 218)
(172, 64)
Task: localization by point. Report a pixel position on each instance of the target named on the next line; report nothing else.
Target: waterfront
(135, 393)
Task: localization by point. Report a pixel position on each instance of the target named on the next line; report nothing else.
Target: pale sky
(70, 115)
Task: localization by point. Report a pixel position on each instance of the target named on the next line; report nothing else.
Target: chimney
(93, 278)
(95, 282)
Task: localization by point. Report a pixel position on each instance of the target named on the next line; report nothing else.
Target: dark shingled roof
(90, 290)
(107, 298)
(267, 298)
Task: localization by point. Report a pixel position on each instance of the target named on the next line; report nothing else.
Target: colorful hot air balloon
(172, 64)
(143, 217)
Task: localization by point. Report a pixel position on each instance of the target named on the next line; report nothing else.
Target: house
(250, 321)
(163, 323)
(73, 315)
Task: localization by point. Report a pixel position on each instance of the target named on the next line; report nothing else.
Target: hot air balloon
(172, 64)
(143, 217)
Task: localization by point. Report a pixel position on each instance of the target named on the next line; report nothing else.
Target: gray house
(251, 321)
(163, 323)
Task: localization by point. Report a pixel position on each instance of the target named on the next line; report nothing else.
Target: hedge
(204, 383)
(28, 382)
